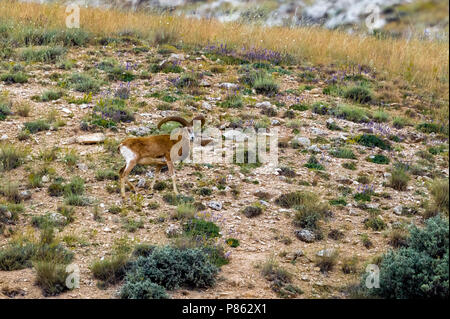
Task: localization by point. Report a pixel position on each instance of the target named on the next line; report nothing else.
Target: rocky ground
(303, 132)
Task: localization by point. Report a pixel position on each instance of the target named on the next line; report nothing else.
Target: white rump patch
(128, 154)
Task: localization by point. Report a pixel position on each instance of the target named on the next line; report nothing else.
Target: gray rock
(174, 57)
(265, 104)
(6, 213)
(91, 138)
(228, 86)
(234, 134)
(317, 131)
(398, 210)
(207, 106)
(173, 230)
(328, 252)
(138, 130)
(205, 83)
(314, 148)
(25, 195)
(299, 253)
(275, 122)
(58, 219)
(83, 167)
(141, 183)
(303, 141)
(216, 205)
(305, 235)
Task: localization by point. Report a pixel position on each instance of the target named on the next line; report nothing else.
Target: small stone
(234, 134)
(205, 83)
(398, 210)
(91, 138)
(173, 230)
(215, 205)
(314, 148)
(228, 86)
(265, 104)
(25, 195)
(305, 235)
(141, 183)
(45, 179)
(207, 106)
(82, 167)
(138, 130)
(303, 141)
(325, 252)
(58, 219)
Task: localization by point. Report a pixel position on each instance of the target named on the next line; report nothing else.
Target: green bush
(359, 94)
(83, 83)
(313, 163)
(16, 256)
(11, 156)
(14, 77)
(172, 268)
(51, 95)
(36, 126)
(201, 228)
(419, 270)
(51, 277)
(5, 108)
(233, 101)
(351, 113)
(187, 80)
(370, 140)
(142, 290)
(42, 54)
(265, 84)
(343, 152)
(440, 197)
(399, 178)
(320, 108)
(110, 270)
(378, 159)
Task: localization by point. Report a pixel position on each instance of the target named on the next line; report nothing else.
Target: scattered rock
(173, 230)
(215, 205)
(58, 219)
(206, 106)
(303, 141)
(328, 252)
(142, 182)
(398, 210)
(234, 134)
(205, 83)
(228, 86)
(91, 138)
(138, 130)
(25, 195)
(305, 235)
(265, 104)
(82, 167)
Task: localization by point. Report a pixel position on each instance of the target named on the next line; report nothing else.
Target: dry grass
(421, 63)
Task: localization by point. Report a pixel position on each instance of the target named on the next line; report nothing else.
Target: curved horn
(178, 119)
(198, 118)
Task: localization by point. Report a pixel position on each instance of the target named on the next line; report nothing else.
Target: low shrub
(420, 270)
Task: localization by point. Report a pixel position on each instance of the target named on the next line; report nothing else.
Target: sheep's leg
(172, 173)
